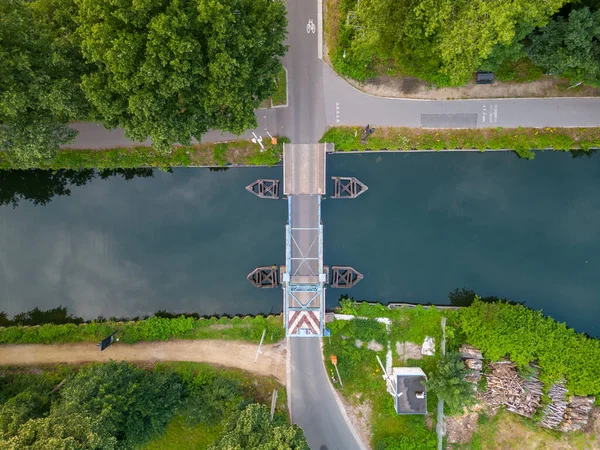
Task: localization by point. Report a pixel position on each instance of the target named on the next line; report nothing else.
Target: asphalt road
(318, 98)
(314, 407)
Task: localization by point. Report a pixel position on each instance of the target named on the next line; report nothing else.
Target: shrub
(448, 382)
(523, 335)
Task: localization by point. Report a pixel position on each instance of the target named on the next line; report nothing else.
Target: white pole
(386, 377)
(339, 378)
(260, 345)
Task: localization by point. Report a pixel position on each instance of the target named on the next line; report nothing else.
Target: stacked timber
(554, 412)
(577, 413)
(505, 387)
(474, 361)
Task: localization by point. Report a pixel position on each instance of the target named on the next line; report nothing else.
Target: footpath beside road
(234, 354)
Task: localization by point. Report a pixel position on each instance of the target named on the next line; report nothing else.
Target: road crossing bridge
(304, 278)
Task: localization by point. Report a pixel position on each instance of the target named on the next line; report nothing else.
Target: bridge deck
(304, 279)
(304, 169)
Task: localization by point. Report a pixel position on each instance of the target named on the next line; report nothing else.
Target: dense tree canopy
(253, 428)
(447, 40)
(165, 69)
(172, 69)
(104, 406)
(570, 48)
(39, 89)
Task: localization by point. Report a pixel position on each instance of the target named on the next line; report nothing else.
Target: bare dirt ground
(359, 414)
(511, 433)
(459, 429)
(406, 87)
(240, 355)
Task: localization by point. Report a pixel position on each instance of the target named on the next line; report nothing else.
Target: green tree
(133, 405)
(570, 48)
(445, 41)
(58, 431)
(19, 409)
(39, 88)
(252, 428)
(173, 69)
(448, 382)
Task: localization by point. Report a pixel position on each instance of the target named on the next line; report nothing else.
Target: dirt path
(240, 355)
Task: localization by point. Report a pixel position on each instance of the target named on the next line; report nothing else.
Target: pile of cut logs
(506, 388)
(474, 361)
(554, 412)
(577, 414)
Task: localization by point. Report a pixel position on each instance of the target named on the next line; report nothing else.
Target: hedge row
(220, 154)
(521, 140)
(152, 329)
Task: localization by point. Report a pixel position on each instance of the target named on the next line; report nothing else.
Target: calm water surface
(429, 223)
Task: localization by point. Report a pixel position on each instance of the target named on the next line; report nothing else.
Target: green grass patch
(239, 152)
(280, 95)
(180, 435)
(522, 140)
(152, 329)
(520, 71)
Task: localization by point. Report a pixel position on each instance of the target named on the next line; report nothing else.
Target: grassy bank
(240, 152)
(506, 430)
(521, 140)
(152, 329)
(280, 96)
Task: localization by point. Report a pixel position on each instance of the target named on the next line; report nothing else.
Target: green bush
(448, 382)
(423, 440)
(523, 335)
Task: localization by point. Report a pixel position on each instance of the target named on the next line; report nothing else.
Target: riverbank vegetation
(118, 405)
(444, 43)
(240, 152)
(499, 328)
(57, 327)
(356, 343)
(167, 71)
(522, 140)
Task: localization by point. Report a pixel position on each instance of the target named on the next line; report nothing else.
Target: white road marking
(337, 112)
(311, 27)
(320, 35)
(491, 115)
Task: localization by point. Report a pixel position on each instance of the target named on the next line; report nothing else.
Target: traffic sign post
(334, 362)
(104, 343)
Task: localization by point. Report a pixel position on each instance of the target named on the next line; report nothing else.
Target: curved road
(318, 98)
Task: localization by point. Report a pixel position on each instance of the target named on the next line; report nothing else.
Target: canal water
(430, 223)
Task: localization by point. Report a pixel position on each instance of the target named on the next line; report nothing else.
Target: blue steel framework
(304, 296)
